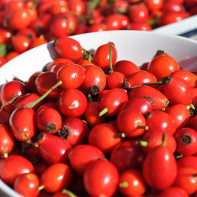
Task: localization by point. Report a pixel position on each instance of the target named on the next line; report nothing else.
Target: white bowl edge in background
(136, 46)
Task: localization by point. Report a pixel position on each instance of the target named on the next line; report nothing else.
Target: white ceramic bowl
(136, 46)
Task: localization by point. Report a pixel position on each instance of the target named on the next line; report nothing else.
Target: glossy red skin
(139, 77)
(71, 75)
(53, 149)
(186, 147)
(44, 81)
(37, 42)
(142, 105)
(178, 91)
(49, 120)
(12, 5)
(92, 114)
(171, 17)
(82, 26)
(170, 6)
(115, 80)
(160, 120)
(83, 154)
(168, 64)
(193, 123)
(131, 123)
(4, 117)
(7, 141)
(155, 137)
(154, 5)
(56, 177)
(68, 48)
(72, 102)
(77, 6)
(173, 191)
(138, 13)
(101, 56)
(136, 185)
(104, 137)
(124, 21)
(57, 61)
(27, 99)
(38, 26)
(19, 19)
(57, 67)
(126, 67)
(159, 99)
(113, 22)
(186, 75)
(75, 130)
(10, 89)
(60, 194)
(159, 168)
(29, 33)
(59, 27)
(23, 123)
(40, 167)
(46, 105)
(141, 26)
(72, 22)
(187, 161)
(113, 100)
(27, 184)
(5, 35)
(119, 6)
(10, 172)
(186, 179)
(95, 28)
(102, 169)
(30, 83)
(58, 7)
(179, 113)
(96, 20)
(194, 95)
(20, 43)
(94, 76)
(127, 154)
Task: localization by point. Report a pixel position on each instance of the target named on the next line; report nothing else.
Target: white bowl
(136, 46)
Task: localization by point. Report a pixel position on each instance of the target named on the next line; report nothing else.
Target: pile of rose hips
(89, 125)
(25, 24)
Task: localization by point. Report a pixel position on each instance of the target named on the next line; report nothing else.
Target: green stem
(191, 106)
(68, 193)
(104, 111)
(90, 98)
(120, 135)
(147, 84)
(89, 57)
(123, 184)
(142, 127)
(164, 139)
(14, 97)
(5, 154)
(143, 143)
(41, 187)
(44, 95)
(110, 60)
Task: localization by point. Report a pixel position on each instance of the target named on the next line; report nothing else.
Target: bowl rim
(7, 189)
